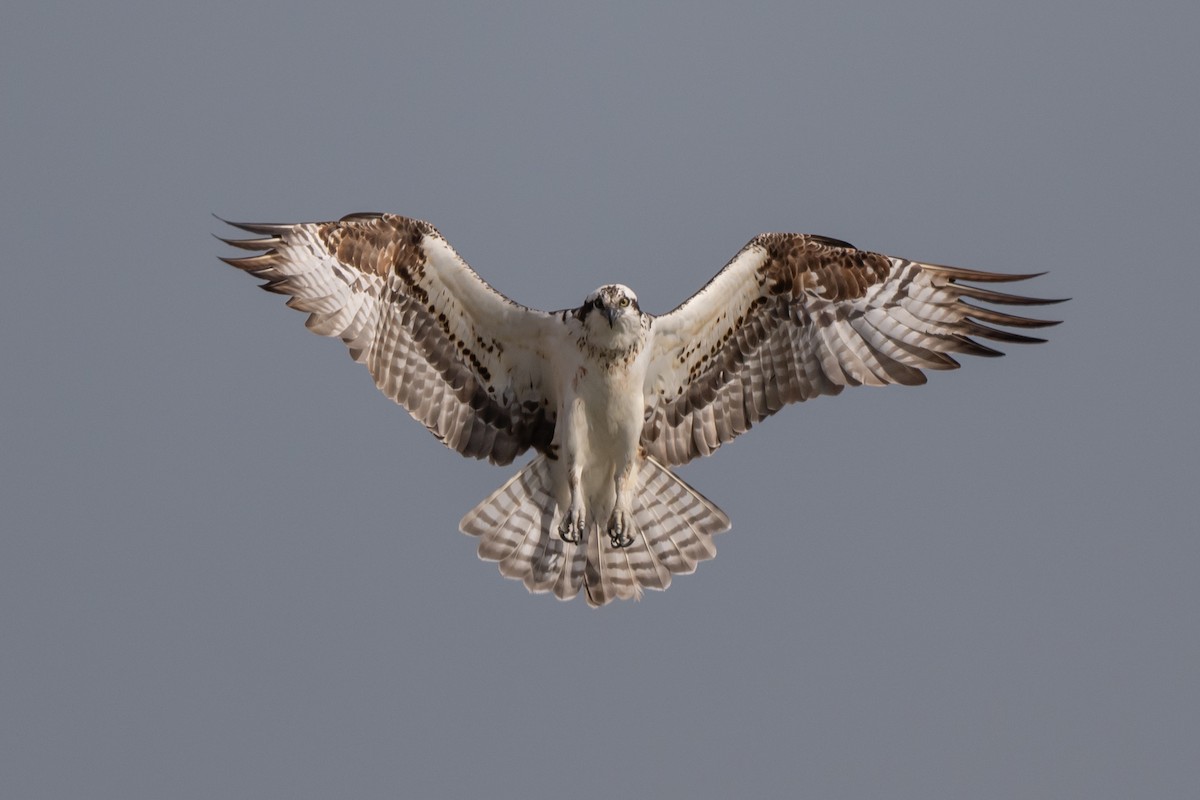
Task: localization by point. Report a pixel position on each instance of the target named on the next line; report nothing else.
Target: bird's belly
(612, 405)
(612, 417)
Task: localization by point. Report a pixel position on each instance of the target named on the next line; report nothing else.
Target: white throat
(612, 344)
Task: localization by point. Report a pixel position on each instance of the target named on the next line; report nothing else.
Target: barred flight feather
(794, 316)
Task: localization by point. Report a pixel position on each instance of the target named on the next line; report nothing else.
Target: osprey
(608, 396)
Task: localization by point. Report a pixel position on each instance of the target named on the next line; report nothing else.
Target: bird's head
(611, 317)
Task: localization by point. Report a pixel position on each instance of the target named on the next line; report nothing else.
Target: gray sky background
(230, 568)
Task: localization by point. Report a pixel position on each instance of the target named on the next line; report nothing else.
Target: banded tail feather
(673, 526)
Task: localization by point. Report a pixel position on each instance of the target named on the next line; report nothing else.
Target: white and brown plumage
(608, 396)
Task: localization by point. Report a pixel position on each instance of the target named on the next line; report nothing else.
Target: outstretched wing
(460, 357)
(794, 316)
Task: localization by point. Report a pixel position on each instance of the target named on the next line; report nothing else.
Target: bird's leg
(620, 524)
(572, 526)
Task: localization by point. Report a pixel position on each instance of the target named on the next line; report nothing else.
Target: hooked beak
(611, 314)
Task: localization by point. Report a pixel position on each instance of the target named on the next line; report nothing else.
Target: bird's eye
(624, 302)
(598, 303)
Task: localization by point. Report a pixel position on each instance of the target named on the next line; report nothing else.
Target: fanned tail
(672, 523)
(517, 527)
(673, 526)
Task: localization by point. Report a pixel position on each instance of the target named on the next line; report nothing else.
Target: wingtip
(954, 274)
(1000, 298)
(249, 263)
(265, 228)
(998, 335)
(1000, 318)
(268, 243)
(974, 348)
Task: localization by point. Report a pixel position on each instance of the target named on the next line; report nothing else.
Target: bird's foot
(617, 533)
(571, 528)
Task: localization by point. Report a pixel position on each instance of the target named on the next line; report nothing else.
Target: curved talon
(616, 531)
(620, 539)
(570, 530)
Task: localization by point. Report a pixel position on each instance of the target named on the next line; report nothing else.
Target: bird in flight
(608, 396)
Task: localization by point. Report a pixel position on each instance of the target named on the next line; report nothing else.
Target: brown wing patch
(827, 268)
(379, 244)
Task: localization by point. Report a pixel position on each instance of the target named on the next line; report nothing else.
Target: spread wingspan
(789, 318)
